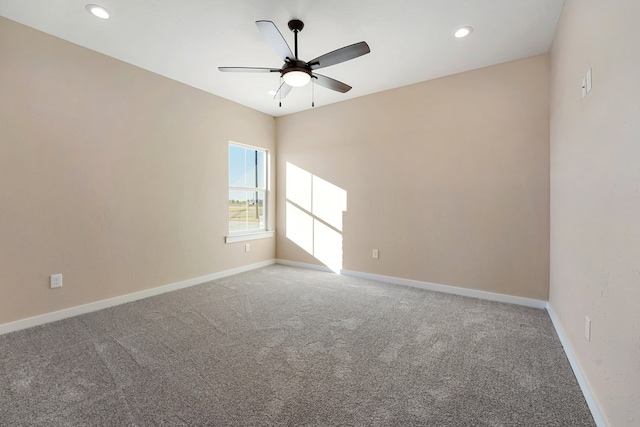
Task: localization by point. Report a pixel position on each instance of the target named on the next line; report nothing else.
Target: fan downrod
(296, 26)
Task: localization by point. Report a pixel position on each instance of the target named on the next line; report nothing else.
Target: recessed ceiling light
(98, 11)
(463, 32)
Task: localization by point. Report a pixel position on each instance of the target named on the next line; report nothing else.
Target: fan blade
(330, 83)
(340, 55)
(275, 39)
(248, 70)
(283, 91)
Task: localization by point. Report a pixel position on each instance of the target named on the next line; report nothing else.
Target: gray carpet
(286, 346)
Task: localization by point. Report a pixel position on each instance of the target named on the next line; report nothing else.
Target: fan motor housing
(296, 65)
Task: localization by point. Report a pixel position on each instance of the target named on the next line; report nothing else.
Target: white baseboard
(304, 265)
(528, 302)
(491, 296)
(99, 305)
(582, 381)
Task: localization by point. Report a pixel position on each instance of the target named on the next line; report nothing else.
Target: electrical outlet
(587, 328)
(375, 254)
(247, 247)
(56, 281)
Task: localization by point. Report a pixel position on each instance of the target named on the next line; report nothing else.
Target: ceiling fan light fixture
(295, 72)
(296, 78)
(463, 32)
(98, 11)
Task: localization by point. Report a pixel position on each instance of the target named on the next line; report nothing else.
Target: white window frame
(244, 235)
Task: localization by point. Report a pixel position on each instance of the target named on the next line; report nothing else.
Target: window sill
(248, 236)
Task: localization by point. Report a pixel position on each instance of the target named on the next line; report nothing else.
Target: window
(247, 190)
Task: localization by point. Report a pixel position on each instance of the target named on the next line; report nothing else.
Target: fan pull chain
(313, 93)
(280, 93)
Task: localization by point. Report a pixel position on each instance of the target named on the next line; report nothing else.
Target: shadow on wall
(314, 215)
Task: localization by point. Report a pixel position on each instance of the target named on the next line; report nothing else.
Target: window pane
(237, 167)
(250, 168)
(246, 210)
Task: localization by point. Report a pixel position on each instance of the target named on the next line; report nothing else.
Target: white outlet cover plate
(56, 281)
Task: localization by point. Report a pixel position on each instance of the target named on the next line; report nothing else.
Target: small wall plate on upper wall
(56, 281)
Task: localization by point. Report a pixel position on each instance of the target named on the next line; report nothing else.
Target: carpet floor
(288, 346)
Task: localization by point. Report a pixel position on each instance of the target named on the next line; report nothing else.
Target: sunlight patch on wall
(327, 246)
(328, 202)
(300, 227)
(314, 215)
(299, 183)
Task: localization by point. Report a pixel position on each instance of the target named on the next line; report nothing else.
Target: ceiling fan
(296, 72)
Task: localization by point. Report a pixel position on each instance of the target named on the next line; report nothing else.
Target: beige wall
(116, 177)
(448, 179)
(111, 175)
(595, 198)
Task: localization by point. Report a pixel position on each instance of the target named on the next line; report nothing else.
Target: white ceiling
(410, 40)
